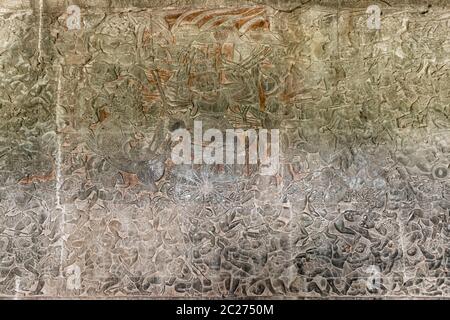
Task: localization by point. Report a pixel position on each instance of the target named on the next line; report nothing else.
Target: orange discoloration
(262, 98)
(102, 115)
(193, 15)
(228, 13)
(151, 97)
(204, 20)
(146, 37)
(288, 92)
(254, 11)
(38, 178)
(248, 17)
(278, 179)
(219, 22)
(243, 15)
(172, 18)
(262, 24)
(164, 76)
(129, 179)
(227, 51)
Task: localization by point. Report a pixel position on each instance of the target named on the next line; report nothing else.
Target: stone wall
(92, 205)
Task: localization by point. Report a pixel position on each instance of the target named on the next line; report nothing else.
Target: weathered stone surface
(92, 205)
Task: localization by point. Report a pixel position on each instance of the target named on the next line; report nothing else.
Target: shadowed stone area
(92, 205)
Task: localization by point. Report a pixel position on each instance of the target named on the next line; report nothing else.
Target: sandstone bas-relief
(92, 205)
